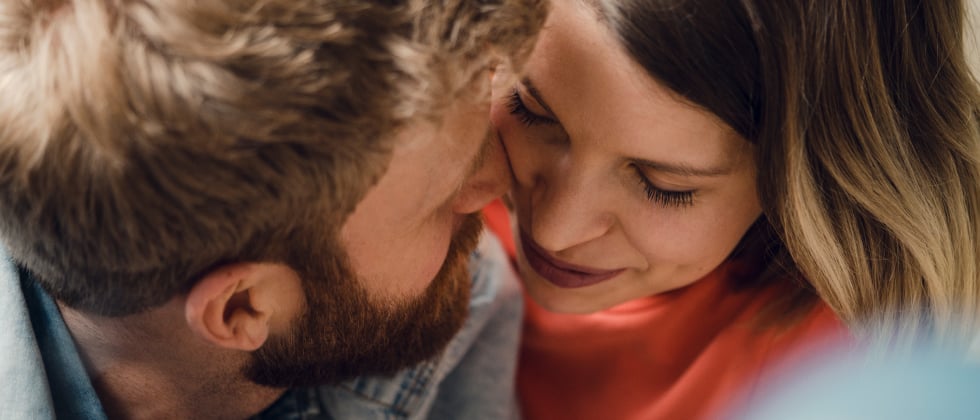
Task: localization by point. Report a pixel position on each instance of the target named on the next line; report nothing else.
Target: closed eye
(665, 198)
(523, 114)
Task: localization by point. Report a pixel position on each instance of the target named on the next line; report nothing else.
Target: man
(211, 206)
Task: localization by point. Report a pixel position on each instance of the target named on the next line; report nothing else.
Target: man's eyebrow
(684, 169)
(536, 94)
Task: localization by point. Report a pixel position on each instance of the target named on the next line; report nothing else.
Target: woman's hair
(144, 142)
(864, 116)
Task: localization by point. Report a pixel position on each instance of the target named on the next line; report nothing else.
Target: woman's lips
(560, 273)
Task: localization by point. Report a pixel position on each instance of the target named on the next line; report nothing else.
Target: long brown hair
(864, 116)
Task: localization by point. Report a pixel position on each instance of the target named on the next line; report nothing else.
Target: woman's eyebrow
(684, 169)
(536, 94)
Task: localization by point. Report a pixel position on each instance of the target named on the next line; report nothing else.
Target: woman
(708, 188)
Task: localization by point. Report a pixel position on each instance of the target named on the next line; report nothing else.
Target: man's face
(398, 235)
(395, 289)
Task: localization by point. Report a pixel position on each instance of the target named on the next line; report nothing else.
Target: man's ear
(237, 306)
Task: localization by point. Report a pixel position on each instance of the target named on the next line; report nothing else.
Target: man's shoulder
(492, 273)
(25, 392)
(44, 376)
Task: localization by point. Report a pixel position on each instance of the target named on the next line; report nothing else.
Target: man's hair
(144, 142)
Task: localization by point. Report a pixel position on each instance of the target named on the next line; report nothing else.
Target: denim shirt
(473, 378)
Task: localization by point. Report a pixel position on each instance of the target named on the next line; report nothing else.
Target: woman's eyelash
(519, 110)
(654, 194)
(664, 197)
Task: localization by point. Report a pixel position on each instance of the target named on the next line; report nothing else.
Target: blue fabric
(74, 396)
(25, 393)
(929, 383)
(44, 378)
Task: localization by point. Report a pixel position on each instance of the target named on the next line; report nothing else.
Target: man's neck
(150, 366)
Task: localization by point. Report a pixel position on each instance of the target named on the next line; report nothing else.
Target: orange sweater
(686, 354)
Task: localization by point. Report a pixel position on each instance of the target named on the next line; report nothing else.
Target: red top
(686, 354)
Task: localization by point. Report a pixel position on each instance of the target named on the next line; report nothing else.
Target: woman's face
(622, 189)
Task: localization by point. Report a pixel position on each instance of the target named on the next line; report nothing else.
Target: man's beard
(343, 333)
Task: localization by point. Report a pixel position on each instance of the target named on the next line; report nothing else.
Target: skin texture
(614, 172)
(404, 275)
(398, 272)
(436, 177)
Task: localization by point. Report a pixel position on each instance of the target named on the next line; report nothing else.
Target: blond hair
(878, 188)
(864, 117)
(142, 143)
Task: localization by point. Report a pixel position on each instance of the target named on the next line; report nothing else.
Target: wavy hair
(144, 142)
(864, 116)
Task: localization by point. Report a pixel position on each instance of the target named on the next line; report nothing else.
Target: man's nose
(487, 181)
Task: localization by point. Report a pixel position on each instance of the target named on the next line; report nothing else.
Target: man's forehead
(462, 126)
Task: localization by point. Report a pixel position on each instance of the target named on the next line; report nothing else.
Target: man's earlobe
(226, 309)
